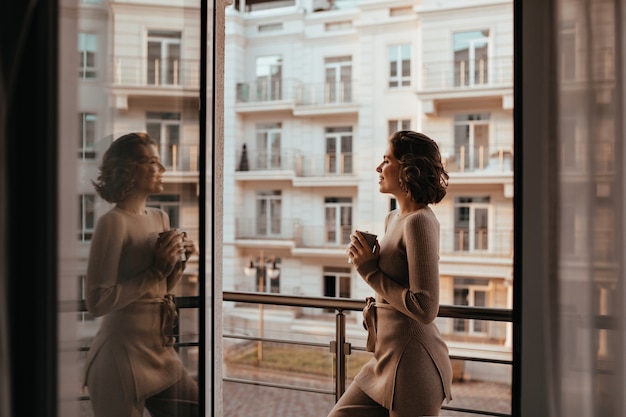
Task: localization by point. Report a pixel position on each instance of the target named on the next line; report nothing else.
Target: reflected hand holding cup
(171, 248)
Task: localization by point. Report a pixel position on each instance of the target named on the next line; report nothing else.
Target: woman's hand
(169, 249)
(189, 246)
(359, 251)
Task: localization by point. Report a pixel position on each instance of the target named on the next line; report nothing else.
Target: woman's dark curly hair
(117, 172)
(422, 174)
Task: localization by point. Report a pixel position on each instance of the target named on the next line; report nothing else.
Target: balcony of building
(296, 166)
(452, 84)
(480, 242)
(458, 244)
(140, 77)
(180, 162)
(300, 238)
(484, 165)
(297, 98)
(312, 6)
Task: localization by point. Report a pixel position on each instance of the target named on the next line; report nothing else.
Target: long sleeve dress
(401, 320)
(133, 296)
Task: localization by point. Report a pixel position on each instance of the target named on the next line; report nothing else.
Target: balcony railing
(169, 73)
(478, 242)
(263, 91)
(292, 229)
(340, 347)
(180, 158)
(325, 93)
(301, 94)
(325, 165)
(480, 73)
(302, 165)
(321, 236)
(457, 242)
(253, 160)
(276, 229)
(488, 159)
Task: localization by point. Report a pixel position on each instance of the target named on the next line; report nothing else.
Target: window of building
(83, 316)
(471, 142)
(338, 150)
(400, 65)
(163, 57)
(573, 155)
(567, 52)
(472, 292)
(268, 137)
(268, 213)
(338, 220)
(170, 203)
(338, 79)
(397, 125)
(471, 58)
(87, 135)
(337, 283)
(87, 219)
(87, 48)
(269, 74)
(471, 224)
(165, 129)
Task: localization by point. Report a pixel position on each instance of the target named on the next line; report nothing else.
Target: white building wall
(304, 40)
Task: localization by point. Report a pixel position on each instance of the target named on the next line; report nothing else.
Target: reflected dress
(134, 345)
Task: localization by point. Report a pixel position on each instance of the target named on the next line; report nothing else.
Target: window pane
(134, 81)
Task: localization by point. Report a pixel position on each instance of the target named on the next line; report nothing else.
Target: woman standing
(131, 273)
(410, 373)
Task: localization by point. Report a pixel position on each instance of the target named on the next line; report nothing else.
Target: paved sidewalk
(245, 400)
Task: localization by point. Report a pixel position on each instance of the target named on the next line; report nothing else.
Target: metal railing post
(341, 349)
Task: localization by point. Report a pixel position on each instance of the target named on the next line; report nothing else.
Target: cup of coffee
(370, 238)
(182, 235)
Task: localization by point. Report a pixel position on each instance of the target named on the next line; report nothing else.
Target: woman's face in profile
(389, 173)
(149, 172)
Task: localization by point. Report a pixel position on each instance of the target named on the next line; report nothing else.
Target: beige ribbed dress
(134, 345)
(406, 282)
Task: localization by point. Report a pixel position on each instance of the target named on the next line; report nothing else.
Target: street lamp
(261, 271)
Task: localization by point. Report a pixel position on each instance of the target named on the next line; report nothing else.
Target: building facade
(312, 92)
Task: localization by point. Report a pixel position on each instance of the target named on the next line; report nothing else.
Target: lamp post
(262, 271)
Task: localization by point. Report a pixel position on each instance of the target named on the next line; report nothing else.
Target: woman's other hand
(189, 246)
(359, 251)
(169, 249)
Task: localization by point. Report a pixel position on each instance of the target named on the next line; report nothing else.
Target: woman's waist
(392, 321)
(142, 314)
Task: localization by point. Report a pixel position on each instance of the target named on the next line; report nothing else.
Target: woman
(131, 272)
(410, 373)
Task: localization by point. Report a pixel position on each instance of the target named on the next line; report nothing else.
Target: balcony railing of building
(170, 73)
(316, 94)
(579, 159)
(573, 67)
(339, 349)
(302, 165)
(293, 229)
(275, 229)
(480, 158)
(477, 242)
(300, 94)
(180, 158)
(463, 74)
(480, 242)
